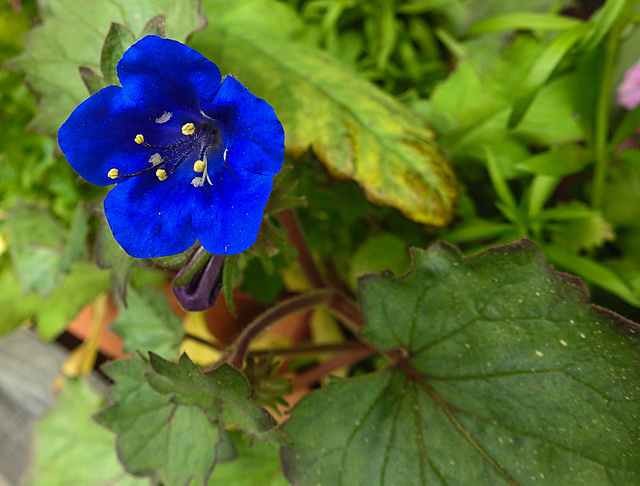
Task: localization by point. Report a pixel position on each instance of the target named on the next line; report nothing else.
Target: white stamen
(206, 172)
(224, 154)
(155, 159)
(205, 115)
(197, 181)
(166, 116)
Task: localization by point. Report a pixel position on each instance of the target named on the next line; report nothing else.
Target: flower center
(195, 142)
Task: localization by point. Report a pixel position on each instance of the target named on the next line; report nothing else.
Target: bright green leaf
(576, 234)
(563, 161)
(506, 376)
(357, 130)
(148, 324)
(523, 20)
(51, 60)
(71, 449)
(257, 464)
(170, 417)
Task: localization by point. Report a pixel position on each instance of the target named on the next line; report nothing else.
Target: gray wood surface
(28, 368)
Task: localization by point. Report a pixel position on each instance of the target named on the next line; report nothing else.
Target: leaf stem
(202, 341)
(305, 350)
(274, 314)
(290, 222)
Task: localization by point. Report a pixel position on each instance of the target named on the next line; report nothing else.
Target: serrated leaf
(148, 324)
(507, 376)
(70, 448)
(119, 39)
(354, 128)
(50, 60)
(170, 418)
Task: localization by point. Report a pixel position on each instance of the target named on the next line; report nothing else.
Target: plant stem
(202, 341)
(273, 315)
(310, 349)
(601, 129)
(346, 358)
(290, 222)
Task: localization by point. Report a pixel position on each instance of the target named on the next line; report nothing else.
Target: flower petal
(152, 218)
(252, 131)
(229, 212)
(163, 73)
(100, 135)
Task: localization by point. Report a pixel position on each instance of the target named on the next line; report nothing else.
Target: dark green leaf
(229, 273)
(92, 80)
(506, 375)
(354, 128)
(155, 26)
(149, 324)
(119, 39)
(170, 417)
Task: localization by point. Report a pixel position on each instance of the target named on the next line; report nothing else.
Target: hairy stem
(273, 315)
(290, 222)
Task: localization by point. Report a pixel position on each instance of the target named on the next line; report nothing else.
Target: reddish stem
(273, 315)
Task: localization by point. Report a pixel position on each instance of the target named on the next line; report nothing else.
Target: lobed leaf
(170, 418)
(505, 375)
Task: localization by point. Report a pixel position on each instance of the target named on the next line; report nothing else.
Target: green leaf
(70, 448)
(506, 375)
(521, 21)
(381, 252)
(543, 68)
(354, 128)
(170, 418)
(92, 80)
(149, 324)
(52, 313)
(36, 245)
(110, 255)
(257, 464)
(119, 39)
(576, 234)
(51, 60)
(559, 162)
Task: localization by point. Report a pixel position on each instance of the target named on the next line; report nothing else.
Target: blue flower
(192, 156)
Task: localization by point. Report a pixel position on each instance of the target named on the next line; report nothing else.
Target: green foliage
(50, 61)
(506, 375)
(355, 129)
(148, 324)
(170, 418)
(81, 455)
(494, 118)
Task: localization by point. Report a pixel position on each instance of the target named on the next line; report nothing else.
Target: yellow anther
(199, 166)
(139, 138)
(113, 173)
(188, 129)
(161, 174)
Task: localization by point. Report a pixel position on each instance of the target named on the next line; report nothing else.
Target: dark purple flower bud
(201, 291)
